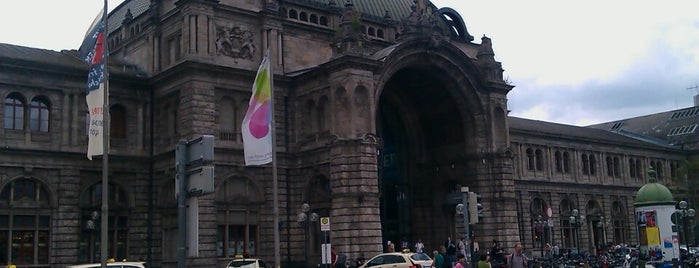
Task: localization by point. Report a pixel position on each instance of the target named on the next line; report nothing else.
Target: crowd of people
(456, 254)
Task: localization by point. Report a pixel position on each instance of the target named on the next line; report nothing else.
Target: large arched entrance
(427, 149)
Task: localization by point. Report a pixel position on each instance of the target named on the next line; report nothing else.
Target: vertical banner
(92, 52)
(257, 124)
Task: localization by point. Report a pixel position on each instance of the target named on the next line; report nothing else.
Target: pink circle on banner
(259, 124)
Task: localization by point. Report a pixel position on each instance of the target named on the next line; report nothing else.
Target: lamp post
(603, 223)
(576, 221)
(540, 227)
(685, 213)
(303, 219)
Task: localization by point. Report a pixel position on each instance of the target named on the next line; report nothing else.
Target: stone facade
(379, 117)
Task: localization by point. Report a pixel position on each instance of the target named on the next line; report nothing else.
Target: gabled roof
(677, 127)
(562, 131)
(14, 53)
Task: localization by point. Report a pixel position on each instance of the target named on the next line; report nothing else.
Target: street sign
(200, 150)
(201, 181)
(454, 198)
(325, 223)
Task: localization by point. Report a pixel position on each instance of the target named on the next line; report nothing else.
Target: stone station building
(383, 108)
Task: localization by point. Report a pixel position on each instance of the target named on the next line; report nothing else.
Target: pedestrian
(484, 261)
(451, 251)
(461, 246)
(333, 258)
(517, 259)
(460, 259)
(404, 244)
(419, 246)
(446, 263)
(438, 259)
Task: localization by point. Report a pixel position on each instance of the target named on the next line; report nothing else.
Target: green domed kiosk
(657, 238)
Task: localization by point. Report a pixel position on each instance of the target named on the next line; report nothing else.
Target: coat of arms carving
(235, 42)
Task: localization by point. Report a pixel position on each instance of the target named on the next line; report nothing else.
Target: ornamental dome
(653, 193)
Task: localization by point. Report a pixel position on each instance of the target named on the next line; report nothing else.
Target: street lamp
(685, 213)
(303, 219)
(540, 231)
(576, 221)
(603, 223)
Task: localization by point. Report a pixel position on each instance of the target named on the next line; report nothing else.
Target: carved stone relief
(235, 42)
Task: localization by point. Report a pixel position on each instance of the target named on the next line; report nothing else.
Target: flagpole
(105, 147)
(275, 183)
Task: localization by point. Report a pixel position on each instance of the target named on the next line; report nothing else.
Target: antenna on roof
(695, 87)
(696, 97)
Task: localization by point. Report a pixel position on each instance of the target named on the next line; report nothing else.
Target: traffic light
(475, 209)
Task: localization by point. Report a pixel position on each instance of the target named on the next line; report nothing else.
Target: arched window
(568, 231)
(632, 168)
(610, 166)
(322, 118)
(530, 159)
(167, 206)
(372, 31)
(618, 223)
(566, 162)
(117, 125)
(379, 33)
(593, 165)
(293, 14)
(539, 222)
(323, 21)
(313, 19)
(303, 16)
(558, 158)
(25, 223)
(39, 115)
(118, 221)
(585, 165)
(318, 195)
(238, 203)
(14, 112)
(617, 167)
(227, 119)
(639, 174)
(539, 160)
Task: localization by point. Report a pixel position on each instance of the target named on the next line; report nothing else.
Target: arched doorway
(426, 154)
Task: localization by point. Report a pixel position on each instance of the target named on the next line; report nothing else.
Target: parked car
(405, 259)
(112, 264)
(247, 263)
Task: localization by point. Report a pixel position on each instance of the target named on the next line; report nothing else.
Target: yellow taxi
(111, 263)
(403, 259)
(240, 262)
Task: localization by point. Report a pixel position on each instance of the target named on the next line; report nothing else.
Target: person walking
(460, 259)
(438, 259)
(517, 259)
(419, 246)
(484, 261)
(451, 251)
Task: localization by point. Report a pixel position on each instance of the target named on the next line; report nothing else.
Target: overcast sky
(572, 62)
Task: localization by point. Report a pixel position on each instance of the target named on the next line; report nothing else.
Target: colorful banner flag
(257, 124)
(92, 51)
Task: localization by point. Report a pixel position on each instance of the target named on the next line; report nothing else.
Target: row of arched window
(562, 161)
(593, 215)
(306, 17)
(20, 114)
(35, 115)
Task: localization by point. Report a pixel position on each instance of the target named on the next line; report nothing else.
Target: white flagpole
(105, 147)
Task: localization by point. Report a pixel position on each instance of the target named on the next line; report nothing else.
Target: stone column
(355, 214)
